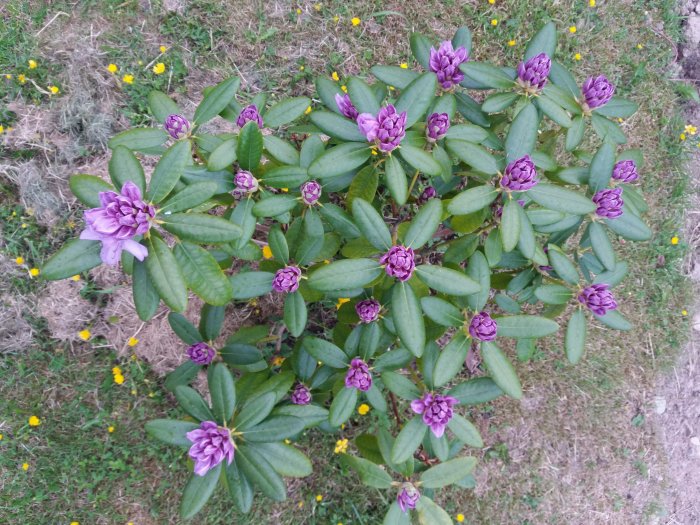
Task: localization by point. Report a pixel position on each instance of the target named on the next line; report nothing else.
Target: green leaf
(76, 256)
(499, 102)
(486, 74)
(400, 385)
(223, 156)
(441, 312)
(553, 294)
(201, 228)
(87, 189)
(337, 126)
(473, 199)
(295, 313)
(501, 370)
(576, 336)
(281, 150)
(608, 130)
(184, 329)
(510, 225)
(408, 318)
(286, 460)
(258, 470)
(162, 106)
(146, 298)
(239, 487)
(189, 197)
(238, 354)
(446, 280)
(554, 111)
(170, 431)
(327, 89)
(286, 111)
(420, 47)
(493, 248)
(475, 156)
(629, 226)
(274, 205)
(326, 352)
(417, 98)
(618, 107)
(394, 75)
(168, 171)
(166, 274)
(430, 513)
(371, 224)
(464, 430)
(275, 428)
(250, 146)
(345, 275)
(370, 473)
(198, 491)
(255, 410)
(247, 285)
(124, 167)
(424, 224)
(216, 100)
(362, 96)
(396, 180)
(448, 472)
(562, 265)
(467, 132)
(601, 168)
(285, 177)
(602, 247)
(614, 319)
(139, 139)
(574, 135)
(560, 199)
(363, 186)
(278, 244)
(544, 41)
(223, 393)
(526, 326)
(339, 160)
(203, 273)
(476, 391)
(420, 160)
(408, 439)
(522, 134)
(478, 270)
(451, 359)
(192, 403)
(343, 406)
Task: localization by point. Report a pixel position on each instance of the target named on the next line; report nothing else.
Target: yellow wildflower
(132, 341)
(159, 68)
(1, 437)
(128, 79)
(674, 240)
(591, 3)
(317, 7)
(163, 49)
(33, 64)
(112, 68)
(301, 68)
(74, 523)
(19, 260)
(34, 421)
(267, 252)
(341, 446)
(285, 190)
(640, 46)
(75, 278)
(341, 302)
(8, 76)
(2, 130)
(34, 272)
(355, 21)
(116, 370)
(336, 18)
(403, 65)
(460, 518)
(110, 429)
(335, 76)
(689, 128)
(494, 22)
(572, 29)
(511, 43)
(84, 334)
(682, 136)
(363, 409)
(24, 224)
(277, 360)
(344, 89)
(307, 110)
(118, 379)
(22, 79)
(319, 498)
(300, 504)
(492, 2)
(298, 10)
(577, 56)
(54, 90)
(25, 466)
(684, 312)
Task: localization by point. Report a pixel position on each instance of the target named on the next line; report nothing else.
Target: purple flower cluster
(445, 64)
(368, 310)
(427, 194)
(597, 91)
(286, 280)
(598, 298)
(201, 353)
(609, 203)
(177, 126)
(407, 497)
(247, 114)
(117, 221)
(482, 327)
(245, 183)
(387, 129)
(625, 171)
(436, 409)
(211, 444)
(346, 107)
(310, 192)
(359, 375)
(520, 175)
(301, 394)
(437, 126)
(534, 72)
(399, 262)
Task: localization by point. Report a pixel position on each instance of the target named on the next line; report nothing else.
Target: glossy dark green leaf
(246, 285)
(339, 159)
(250, 146)
(448, 472)
(408, 318)
(201, 228)
(166, 274)
(370, 473)
(326, 352)
(223, 156)
(87, 189)
(472, 200)
(286, 111)
(394, 75)
(561, 199)
(475, 156)
(74, 257)
(192, 403)
(168, 171)
(198, 491)
(544, 41)
(576, 336)
(343, 406)
(222, 392)
(501, 369)
(371, 224)
(408, 439)
(451, 359)
(295, 313)
(216, 100)
(417, 97)
(424, 224)
(396, 180)
(146, 298)
(345, 274)
(258, 470)
(147, 140)
(420, 159)
(522, 134)
(525, 326)
(337, 126)
(124, 167)
(510, 225)
(170, 431)
(203, 274)
(447, 280)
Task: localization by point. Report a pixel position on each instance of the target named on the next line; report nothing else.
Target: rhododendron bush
(428, 225)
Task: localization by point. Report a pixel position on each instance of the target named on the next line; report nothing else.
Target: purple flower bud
(438, 124)
(211, 444)
(177, 126)
(428, 193)
(399, 262)
(247, 114)
(598, 298)
(310, 192)
(286, 279)
(520, 175)
(534, 72)
(482, 327)
(387, 129)
(119, 218)
(245, 182)
(625, 171)
(609, 203)
(358, 376)
(368, 310)
(445, 63)
(346, 106)
(597, 91)
(436, 409)
(407, 497)
(301, 395)
(201, 353)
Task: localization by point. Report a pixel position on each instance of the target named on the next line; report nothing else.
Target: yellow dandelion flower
(301, 68)
(674, 240)
(34, 272)
(591, 3)
(8, 76)
(335, 76)
(684, 312)
(2, 130)
(391, 88)
(355, 21)
(25, 466)
(307, 110)
(492, 2)
(344, 89)
(300, 504)
(118, 379)
(363, 409)
(267, 252)
(128, 79)
(577, 56)
(640, 46)
(689, 128)
(619, 119)
(132, 341)
(163, 49)
(54, 90)
(341, 302)
(403, 65)
(116, 370)
(33, 64)
(374, 151)
(140, 62)
(151, 394)
(460, 518)
(34, 421)
(287, 441)
(319, 497)
(1, 436)
(24, 224)
(572, 29)
(494, 22)
(22, 79)
(298, 10)
(112, 68)
(74, 523)
(511, 43)
(75, 278)
(342, 427)
(341, 446)
(159, 68)
(84, 334)
(682, 136)
(336, 19)
(110, 429)
(19, 260)
(133, 391)
(317, 7)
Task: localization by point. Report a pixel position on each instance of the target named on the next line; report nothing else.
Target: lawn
(581, 447)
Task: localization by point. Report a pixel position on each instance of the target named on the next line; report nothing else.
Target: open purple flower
(201, 353)
(609, 203)
(211, 444)
(534, 72)
(177, 126)
(482, 327)
(520, 175)
(286, 280)
(117, 221)
(310, 192)
(436, 409)
(437, 126)
(245, 183)
(399, 262)
(346, 107)
(598, 298)
(407, 497)
(445, 63)
(358, 376)
(387, 129)
(625, 171)
(301, 394)
(247, 114)
(368, 310)
(597, 91)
